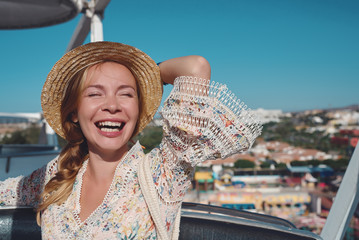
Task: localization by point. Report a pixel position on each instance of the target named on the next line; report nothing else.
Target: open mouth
(108, 126)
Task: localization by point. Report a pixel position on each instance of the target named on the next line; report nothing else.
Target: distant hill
(354, 107)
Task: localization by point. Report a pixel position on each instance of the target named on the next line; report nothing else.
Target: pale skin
(110, 95)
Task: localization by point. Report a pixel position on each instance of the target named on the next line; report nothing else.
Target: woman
(97, 97)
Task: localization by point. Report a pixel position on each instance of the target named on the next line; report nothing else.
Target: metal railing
(198, 221)
(10, 156)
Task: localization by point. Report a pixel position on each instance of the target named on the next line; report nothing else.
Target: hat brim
(144, 69)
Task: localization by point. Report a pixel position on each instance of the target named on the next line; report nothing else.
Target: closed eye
(93, 94)
(93, 91)
(127, 93)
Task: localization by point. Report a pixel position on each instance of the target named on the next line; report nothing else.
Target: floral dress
(201, 120)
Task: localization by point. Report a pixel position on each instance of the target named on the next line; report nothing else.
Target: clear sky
(274, 54)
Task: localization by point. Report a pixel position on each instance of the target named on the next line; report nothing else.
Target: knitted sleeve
(25, 191)
(201, 120)
(204, 120)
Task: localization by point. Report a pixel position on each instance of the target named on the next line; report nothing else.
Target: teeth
(111, 124)
(108, 126)
(109, 129)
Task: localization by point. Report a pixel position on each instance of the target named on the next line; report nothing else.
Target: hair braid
(72, 156)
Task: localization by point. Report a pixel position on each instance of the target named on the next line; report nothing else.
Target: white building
(266, 116)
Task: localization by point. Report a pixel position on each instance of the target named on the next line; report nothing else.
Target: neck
(101, 167)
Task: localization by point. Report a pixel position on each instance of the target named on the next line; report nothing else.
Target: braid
(72, 156)
(59, 188)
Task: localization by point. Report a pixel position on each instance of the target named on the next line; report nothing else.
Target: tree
(16, 137)
(337, 164)
(265, 165)
(241, 163)
(150, 137)
(29, 135)
(298, 163)
(314, 162)
(281, 166)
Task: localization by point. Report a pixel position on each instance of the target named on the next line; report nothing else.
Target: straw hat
(144, 69)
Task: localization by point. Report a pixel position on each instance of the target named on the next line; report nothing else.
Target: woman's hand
(196, 66)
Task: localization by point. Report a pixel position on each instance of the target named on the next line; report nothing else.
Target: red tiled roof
(231, 159)
(354, 142)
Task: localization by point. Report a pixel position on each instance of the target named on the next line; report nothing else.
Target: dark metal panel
(20, 223)
(19, 14)
(195, 228)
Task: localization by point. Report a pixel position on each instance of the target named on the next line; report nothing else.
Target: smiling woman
(99, 96)
(108, 109)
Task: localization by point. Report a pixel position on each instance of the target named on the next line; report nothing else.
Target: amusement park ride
(198, 221)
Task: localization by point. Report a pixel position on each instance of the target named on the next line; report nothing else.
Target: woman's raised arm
(193, 65)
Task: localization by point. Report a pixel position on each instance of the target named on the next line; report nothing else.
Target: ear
(74, 117)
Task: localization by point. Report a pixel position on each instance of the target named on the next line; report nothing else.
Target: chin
(114, 146)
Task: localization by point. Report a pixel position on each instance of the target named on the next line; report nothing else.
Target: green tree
(314, 162)
(265, 165)
(241, 163)
(29, 135)
(32, 134)
(16, 137)
(281, 166)
(150, 137)
(298, 163)
(337, 164)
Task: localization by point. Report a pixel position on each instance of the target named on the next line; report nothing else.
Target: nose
(111, 104)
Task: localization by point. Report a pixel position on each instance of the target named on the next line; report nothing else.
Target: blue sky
(274, 54)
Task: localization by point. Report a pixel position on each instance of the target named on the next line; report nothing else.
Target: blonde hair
(72, 156)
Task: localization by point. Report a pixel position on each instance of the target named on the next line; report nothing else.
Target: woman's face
(108, 108)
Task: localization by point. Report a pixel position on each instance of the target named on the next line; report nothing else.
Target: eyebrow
(102, 88)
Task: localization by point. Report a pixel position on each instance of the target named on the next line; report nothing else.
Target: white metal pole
(96, 28)
(345, 202)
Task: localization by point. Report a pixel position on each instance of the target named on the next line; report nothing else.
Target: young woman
(98, 96)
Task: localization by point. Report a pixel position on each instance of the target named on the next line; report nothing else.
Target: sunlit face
(108, 108)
